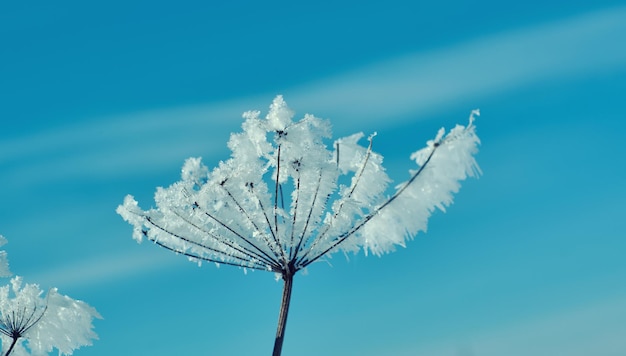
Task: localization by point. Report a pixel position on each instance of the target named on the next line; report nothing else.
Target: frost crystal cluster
(285, 199)
(34, 324)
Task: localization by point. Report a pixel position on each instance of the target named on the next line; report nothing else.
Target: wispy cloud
(596, 328)
(420, 83)
(378, 95)
(104, 269)
(116, 146)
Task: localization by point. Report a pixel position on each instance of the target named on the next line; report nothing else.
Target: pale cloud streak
(98, 271)
(596, 328)
(379, 95)
(424, 82)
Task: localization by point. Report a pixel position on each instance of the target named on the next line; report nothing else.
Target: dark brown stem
(12, 346)
(284, 310)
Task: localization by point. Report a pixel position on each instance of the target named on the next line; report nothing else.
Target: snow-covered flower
(31, 324)
(287, 198)
(34, 324)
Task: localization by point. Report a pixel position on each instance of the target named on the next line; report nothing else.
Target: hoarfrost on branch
(34, 324)
(286, 198)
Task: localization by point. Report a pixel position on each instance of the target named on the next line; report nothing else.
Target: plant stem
(12, 346)
(284, 310)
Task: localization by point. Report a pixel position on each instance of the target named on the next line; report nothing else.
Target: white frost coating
(131, 212)
(285, 198)
(43, 324)
(194, 171)
(452, 161)
(280, 115)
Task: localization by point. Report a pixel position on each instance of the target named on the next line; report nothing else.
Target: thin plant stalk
(13, 342)
(282, 316)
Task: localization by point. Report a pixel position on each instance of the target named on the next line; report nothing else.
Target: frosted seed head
(285, 198)
(279, 116)
(194, 171)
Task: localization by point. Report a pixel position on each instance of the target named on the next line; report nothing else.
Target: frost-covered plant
(31, 324)
(285, 200)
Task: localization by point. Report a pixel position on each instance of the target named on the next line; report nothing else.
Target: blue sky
(100, 101)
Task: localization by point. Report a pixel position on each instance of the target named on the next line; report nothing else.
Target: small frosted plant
(285, 200)
(31, 324)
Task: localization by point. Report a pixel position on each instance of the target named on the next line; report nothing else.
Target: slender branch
(3, 331)
(355, 183)
(369, 217)
(303, 239)
(267, 219)
(245, 213)
(223, 240)
(368, 154)
(295, 217)
(247, 255)
(28, 324)
(220, 239)
(232, 231)
(282, 197)
(276, 198)
(256, 266)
